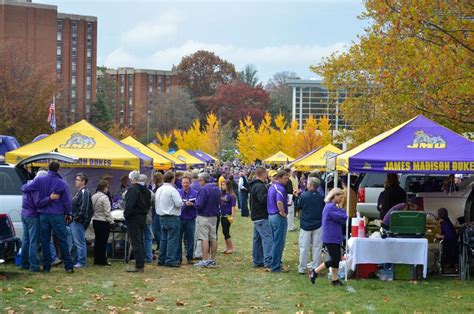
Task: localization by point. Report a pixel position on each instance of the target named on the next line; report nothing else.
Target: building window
(168, 84)
(160, 85)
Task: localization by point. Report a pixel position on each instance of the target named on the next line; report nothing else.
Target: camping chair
(407, 224)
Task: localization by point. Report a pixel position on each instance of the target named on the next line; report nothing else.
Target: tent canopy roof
(159, 162)
(187, 158)
(418, 145)
(93, 148)
(177, 163)
(278, 158)
(316, 159)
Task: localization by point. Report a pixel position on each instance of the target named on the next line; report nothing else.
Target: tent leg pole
(347, 222)
(336, 175)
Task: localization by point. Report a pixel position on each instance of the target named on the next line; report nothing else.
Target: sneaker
(69, 271)
(337, 283)
(211, 263)
(312, 276)
(57, 262)
(202, 263)
(79, 266)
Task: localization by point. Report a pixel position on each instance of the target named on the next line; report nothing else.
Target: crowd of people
(183, 211)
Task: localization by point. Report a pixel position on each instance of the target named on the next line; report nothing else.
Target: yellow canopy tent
(189, 159)
(341, 161)
(178, 164)
(278, 158)
(159, 162)
(93, 148)
(316, 160)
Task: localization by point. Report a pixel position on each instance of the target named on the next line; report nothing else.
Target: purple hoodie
(44, 186)
(28, 208)
(333, 219)
(188, 212)
(208, 200)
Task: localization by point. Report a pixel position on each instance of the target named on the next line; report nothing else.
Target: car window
(421, 183)
(10, 183)
(373, 180)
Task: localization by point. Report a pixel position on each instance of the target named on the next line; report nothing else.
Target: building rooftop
(309, 83)
(75, 17)
(129, 70)
(28, 3)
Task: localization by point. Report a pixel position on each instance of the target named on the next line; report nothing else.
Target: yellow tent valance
(187, 158)
(278, 158)
(93, 148)
(159, 162)
(317, 159)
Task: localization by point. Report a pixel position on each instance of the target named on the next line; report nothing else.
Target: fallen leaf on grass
(148, 280)
(458, 297)
(180, 303)
(46, 297)
(413, 282)
(28, 290)
(209, 304)
(99, 297)
(70, 290)
(5, 289)
(255, 307)
(150, 299)
(299, 305)
(57, 290)
(386, 299)
(11, 312)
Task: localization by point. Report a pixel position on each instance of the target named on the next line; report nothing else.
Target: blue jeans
(148, 241)
(29, 243)
(186, 233)
(54, 255)
(278, 225)
(262, 244)
(156, 229)
(244, 204)
(169, 240)
(79, 238)
(54, 223)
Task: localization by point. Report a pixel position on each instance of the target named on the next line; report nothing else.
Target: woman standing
(393, 194)
(228, 209)
(334, 218)
(102, 220)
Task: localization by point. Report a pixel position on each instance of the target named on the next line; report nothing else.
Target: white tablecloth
(389, 250)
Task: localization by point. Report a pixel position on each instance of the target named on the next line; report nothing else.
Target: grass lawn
(232, 287)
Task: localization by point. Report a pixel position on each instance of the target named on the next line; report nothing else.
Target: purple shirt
(227, 202)
(276, 193)
(28, 208)
(333, 219)
(208, 200)
(45, 186)
(398, 207)
(188, 212)
(195, 185)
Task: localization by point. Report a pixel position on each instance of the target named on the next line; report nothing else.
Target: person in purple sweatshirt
(54, 215)
(334, 218)
(31, 231)
(207, 205)
(188, 220)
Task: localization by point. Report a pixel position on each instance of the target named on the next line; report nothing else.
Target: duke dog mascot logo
(79, 141)
(427, 141)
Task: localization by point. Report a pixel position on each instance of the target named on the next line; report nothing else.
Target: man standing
(262, 234)
(244, 194)
(82, 215)
(54, 215)
(277, 207)
(168, 204)
(311, 203)
(137, 205)
(195, 181)
(207, 205)
(188, 220)
(291, 190)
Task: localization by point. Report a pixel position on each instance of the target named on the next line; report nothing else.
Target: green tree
(249, 76)
(280, 94)
(103, 110)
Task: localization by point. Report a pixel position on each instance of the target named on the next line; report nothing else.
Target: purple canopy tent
(200, 156)
(416, 146)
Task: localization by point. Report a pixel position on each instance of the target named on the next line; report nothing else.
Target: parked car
(372, 184)
(9, 243)
(12, 177)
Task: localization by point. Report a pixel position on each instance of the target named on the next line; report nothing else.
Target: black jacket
(258, 200)
(393, 195)
(137, 203)
(82, 210)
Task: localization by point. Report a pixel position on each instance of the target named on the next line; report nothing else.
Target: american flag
(52, 114)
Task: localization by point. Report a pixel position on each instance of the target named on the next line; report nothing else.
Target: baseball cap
(272, 173)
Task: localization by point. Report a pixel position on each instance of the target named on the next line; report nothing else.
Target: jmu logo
(79, 141)
(427, 141)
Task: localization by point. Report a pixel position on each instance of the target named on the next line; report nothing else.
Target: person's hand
(54, 196)
(68, 219)
(189, 203)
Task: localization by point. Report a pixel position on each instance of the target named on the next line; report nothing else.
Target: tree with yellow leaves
(324, 126)
(309, 138)
(264, 142)
(209, 142)
(190, 139)
(164, 140)
(290, 139)
(246, 140)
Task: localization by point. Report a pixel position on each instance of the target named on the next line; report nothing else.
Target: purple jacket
(276, 192)
(188, 212)
(46, 185)
(28, 208)
(208, 200)
(333, 219)
(195, 186)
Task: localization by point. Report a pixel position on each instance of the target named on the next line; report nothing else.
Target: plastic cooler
(366, 271)
(407, 224)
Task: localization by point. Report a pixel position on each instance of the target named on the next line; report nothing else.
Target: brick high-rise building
(137, 92)
(66, 43)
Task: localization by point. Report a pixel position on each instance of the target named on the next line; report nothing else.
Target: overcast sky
(272, 35)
